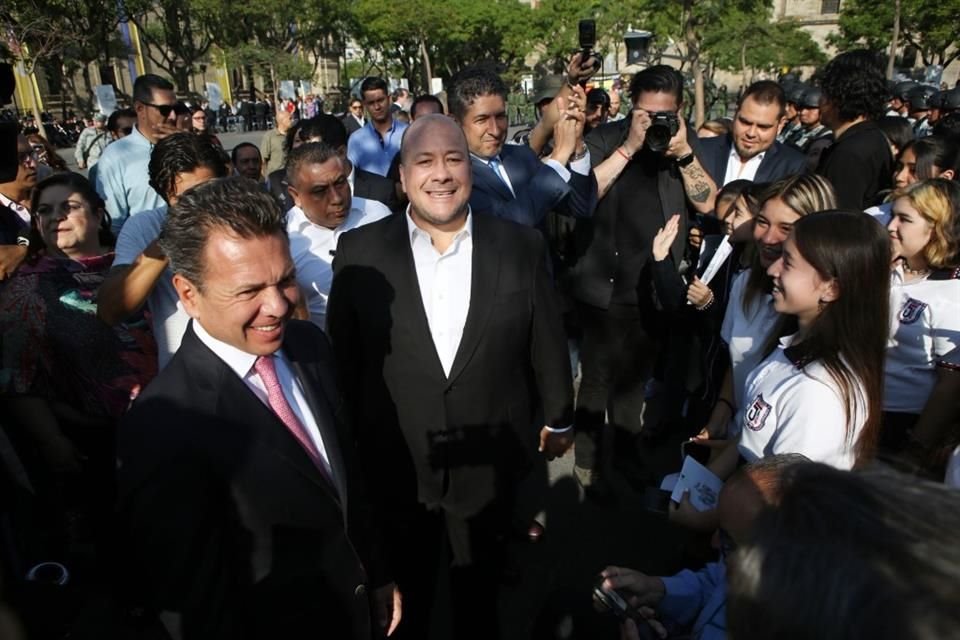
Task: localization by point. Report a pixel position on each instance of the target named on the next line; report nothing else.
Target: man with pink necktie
(240, 514)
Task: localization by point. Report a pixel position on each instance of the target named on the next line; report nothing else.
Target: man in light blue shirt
(122, 180)
(373, 146)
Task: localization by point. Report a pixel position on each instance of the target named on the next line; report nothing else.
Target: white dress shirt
(739, 170)
(313, 247)
(241, 363)
(445, 282)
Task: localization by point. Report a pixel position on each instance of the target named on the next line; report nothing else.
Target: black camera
(663, 126)
(613, 603)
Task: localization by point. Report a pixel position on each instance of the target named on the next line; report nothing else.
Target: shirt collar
(736, 156)
(298, 220)
(138, 138)
(413, 231)
(240, 362)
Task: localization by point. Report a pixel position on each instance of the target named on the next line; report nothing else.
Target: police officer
(794, 93)
(919, 103)
(898, 98)
(813, 137)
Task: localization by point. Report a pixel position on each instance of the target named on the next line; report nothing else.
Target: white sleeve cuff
(561, 170)
(559, 429)
(581, 166)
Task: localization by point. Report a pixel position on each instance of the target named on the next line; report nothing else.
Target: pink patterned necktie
(268, 373)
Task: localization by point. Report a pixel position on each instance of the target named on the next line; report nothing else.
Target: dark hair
(854, 84)
(766, 92)
(425, 99)
(145, 85)
(470, 84)
(54, 161)
(291, 136)
(113, 122)
(373, 83)
(746, 189)
(849, 554)
(327, 127)
(898, 131)
(309, 153)
(598, 96)
(657, 79)
(242, 145)
(804, 194)
(849, 336)
(182, 152)
(76, 183)
(235, 204)
(935, 152)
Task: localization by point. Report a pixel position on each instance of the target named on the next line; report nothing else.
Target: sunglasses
(26, 156)
(164, 109)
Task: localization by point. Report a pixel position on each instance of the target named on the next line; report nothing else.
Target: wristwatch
(685, 161)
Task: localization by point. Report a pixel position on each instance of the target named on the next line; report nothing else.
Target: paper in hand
(719, 257)
(703, 484)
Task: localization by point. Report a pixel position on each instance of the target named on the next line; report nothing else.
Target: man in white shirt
(236, 478)
(450, 343)
(141, 273)
(751, 151)
(323, 210)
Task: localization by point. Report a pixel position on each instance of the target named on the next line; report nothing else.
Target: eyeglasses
(164, 109)
(24, 156)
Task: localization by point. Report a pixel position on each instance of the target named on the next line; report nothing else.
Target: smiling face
(322, 192)
(771, 228)
(735, 220)
(68, 223)
(248, 293)
(798, 288)
(485, 125)
(910, 232)
(755, 127)
(435, 172)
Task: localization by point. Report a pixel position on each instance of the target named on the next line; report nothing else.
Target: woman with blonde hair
(925, 301)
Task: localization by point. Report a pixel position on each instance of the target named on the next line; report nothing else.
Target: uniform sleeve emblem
(911, 311)
(757, 413)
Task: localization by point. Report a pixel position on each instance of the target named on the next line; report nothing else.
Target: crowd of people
(308, 380)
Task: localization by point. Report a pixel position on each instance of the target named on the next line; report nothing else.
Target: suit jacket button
(360, 591)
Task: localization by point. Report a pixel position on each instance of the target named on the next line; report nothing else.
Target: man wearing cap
(793, 93)
(93, 140)
(918, 101)
(598, 106)
(813, 137)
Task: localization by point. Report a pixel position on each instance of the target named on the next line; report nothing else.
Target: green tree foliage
(928, 25)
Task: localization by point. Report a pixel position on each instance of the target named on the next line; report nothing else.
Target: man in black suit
(449, 337)
(510, 181)
(354, 119)
(751, 151)
(238, 503)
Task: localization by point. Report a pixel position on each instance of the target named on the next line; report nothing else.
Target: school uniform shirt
(745, 334)
(795, 406)
(925, 326)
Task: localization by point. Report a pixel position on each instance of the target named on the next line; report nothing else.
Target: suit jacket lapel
(515, 167)
(766, 165)
(485, 176)
(234, 403)
(321, 405)
(409, 302)
(483, 289)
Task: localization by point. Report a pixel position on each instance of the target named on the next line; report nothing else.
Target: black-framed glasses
(24, 156)
(164, 109)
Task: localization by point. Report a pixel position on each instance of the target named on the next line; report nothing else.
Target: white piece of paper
(719, 256)
(704, 486)
(669, 481)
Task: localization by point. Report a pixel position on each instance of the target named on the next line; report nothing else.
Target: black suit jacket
(223, 517)
(373, 186)
(351, 124)
(780, 161)
(460, 442)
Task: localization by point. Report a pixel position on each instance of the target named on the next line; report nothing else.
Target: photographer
(646, 172)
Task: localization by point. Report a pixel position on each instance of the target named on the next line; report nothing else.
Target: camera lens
(658, 137)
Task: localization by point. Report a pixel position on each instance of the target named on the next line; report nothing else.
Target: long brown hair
(803, 194)
(849, 336)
